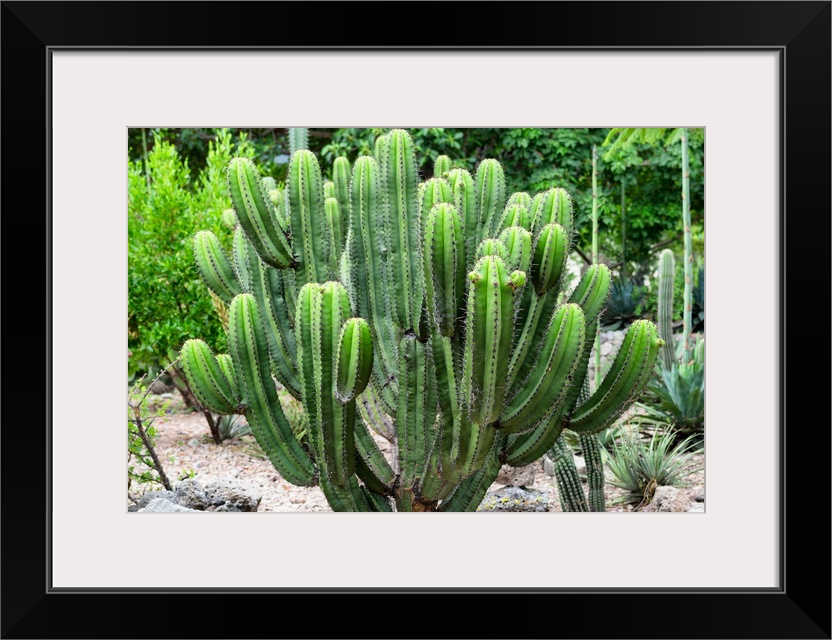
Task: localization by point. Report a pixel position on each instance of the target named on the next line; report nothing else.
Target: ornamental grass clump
(432, 318)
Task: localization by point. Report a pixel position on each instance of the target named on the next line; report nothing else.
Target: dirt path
(185, 448)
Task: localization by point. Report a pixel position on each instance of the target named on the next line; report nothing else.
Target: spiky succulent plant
(427, 313)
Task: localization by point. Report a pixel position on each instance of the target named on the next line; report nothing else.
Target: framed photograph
(754, 75)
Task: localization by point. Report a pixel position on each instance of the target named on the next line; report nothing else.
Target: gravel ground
(185, 447)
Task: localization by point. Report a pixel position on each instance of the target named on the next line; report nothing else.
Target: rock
(189, 493)
(548, 466)
(233, 495)
(606, 348)
(148, 497)
(160, 505)
(697, 507)
(193, 442)
(517, 476)
(132, 508)
(699, 497)
(515, 499)
(670, 499)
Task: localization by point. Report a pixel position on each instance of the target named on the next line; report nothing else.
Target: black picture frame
(799, 608)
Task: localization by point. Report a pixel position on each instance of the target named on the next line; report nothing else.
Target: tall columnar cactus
(667, 272)
(298, 139)
(688, 249)
(425, 313)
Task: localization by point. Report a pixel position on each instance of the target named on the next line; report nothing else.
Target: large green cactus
(427, 313)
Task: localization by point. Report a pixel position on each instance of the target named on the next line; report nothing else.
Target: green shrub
(167, 300)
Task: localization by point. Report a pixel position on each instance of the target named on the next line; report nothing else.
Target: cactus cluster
(431, 313)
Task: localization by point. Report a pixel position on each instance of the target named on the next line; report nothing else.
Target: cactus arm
(249, 352)
(341, 174)
(214, 266)
(550, 253)
(355, 359)
(552, 207)
(349, 497)
(335, 241)
(398, 168)
(515, 215)
(549, 380)
(245, 260)
(535, 319)
(207, 379)
(667, 270)
(368, 250)
(594, 471)
(257, 216)
(298, 139)
(432, 193)
(524, 200)
(525, 448)
(377, 503)
(488, 338)
(306, 207)
(465, 201)
(626, 379)
(414, 418)
(570, 490)
(518, 243)
(469, 493)
(370, 464)
(444, 267)
(227, 366)
(266, 286)
(491, 192)
(441, 166)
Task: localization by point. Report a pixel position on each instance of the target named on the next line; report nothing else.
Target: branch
(147, 445)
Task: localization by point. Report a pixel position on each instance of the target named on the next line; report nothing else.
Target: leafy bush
(639, 466)
(167, 301)
(142, 469)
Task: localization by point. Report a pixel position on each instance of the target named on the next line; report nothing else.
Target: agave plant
(639, 466)
(626, 296)
(677, 395)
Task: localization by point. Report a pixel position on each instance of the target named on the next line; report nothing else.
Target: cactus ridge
(441, 166)
(214, 266)
(592, 291)
(332, 210)
(465, 201)
(398, 164)
(523, 199)
(308, 218)
(518, 243)
(341, 174)
(488, 338)
(256, 214)
(549, 379)
(515, 215)
(550, 253)
(224, 360)
(491, 193)
(370, 464)
(570, 490)
(525, 448)
(444, 267)
(552, 207)
(370, 274)
(208, 380)
(355, 359)
(629, 374)
(259, 400)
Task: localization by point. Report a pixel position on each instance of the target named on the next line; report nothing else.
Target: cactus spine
(445, 334)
